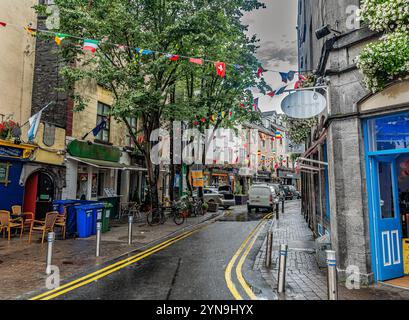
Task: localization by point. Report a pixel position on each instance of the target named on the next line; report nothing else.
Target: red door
(30, 193)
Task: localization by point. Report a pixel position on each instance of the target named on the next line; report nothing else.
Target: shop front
(387, 162)
(13, 158)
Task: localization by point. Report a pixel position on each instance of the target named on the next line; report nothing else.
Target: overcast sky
(275, 26)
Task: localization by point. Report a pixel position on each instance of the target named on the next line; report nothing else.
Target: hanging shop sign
(18, 151)
(94, 151)
(303, 104)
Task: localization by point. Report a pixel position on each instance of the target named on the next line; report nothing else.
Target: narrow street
(190, 268)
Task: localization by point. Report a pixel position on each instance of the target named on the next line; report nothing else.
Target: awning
(101, 164)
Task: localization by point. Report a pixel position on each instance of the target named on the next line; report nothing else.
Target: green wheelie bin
(106, 216)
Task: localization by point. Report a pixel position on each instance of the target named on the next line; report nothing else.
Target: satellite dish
(303, 104)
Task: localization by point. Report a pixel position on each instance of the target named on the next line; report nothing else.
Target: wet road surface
(192, 268)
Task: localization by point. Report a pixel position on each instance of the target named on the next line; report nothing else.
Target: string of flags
(92, 46)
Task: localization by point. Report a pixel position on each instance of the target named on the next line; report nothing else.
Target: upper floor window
(103, 112)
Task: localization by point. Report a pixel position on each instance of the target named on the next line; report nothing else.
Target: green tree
(146, 86)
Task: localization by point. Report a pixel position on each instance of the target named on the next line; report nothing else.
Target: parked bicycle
(197, 207)
(160, 216)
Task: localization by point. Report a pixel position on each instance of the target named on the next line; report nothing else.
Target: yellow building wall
(86, 120)
(17, 52)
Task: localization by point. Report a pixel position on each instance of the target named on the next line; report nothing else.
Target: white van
(262, 197)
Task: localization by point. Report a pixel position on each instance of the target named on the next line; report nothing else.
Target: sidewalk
(23, 265)
(304, 279)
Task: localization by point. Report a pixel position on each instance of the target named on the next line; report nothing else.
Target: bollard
(99, 227)
(277, 211)
(130, 221)
(50, 240)
(269, 245)
(332, 283)
(282, 206)
(282, 268)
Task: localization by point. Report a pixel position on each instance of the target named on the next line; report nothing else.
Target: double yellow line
(239, 267)
(111, 268)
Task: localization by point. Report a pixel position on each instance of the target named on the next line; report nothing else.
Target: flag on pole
(197, 61)
(90, 45)
(271, 94)
(173, 57)
(59, 37)
(220, 69)
(35, 123)
(99, 127)
(3, 24)
(284, 77)
(260, 72)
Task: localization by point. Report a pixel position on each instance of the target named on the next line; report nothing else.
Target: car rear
(261, 197)
(228, 199)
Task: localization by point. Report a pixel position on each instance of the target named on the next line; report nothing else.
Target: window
(103, 111)
(134, 125)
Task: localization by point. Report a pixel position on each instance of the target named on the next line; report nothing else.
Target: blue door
(387, 218)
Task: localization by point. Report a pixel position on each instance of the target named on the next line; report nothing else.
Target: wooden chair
(43, 226)
(61, 222)
(6, 223)
(27, 216)
(16, 210)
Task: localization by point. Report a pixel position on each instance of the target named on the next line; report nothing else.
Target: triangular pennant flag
(223, 114)
(59, 37)
(173, 57)
(197, 61)
(238, 67)
(90, 45)
(255, 104)
(297, 84)
(301, 77)
(260, 72)
(271, 94)
(220, 69)
(281, 90)
(31, 31)
(145, 52)
(3, 24)
(291, 75)
(284, 77)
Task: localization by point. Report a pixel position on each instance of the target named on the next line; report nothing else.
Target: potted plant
(239, 197)
(205, 207)
(6, 129)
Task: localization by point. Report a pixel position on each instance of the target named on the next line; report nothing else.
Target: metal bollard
(282, 206)
(50, 240)
(99, 227)
(332, 283)
(269, 246)
(282, 268)
(277, 211)
(130, 221)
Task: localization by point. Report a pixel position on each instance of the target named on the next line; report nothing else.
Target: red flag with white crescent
(220, 69)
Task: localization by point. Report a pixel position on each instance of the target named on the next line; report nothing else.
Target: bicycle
(156, 218)
(197, 207)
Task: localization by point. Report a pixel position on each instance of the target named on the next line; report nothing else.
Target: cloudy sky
(275, 26)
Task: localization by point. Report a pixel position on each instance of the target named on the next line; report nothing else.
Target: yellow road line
(239, 268)
(228, 271)
(119, 264)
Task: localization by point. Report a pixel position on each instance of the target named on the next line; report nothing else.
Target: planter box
(213, 207)
(241, 200)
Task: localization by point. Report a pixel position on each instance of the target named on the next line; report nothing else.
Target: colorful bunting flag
(31, 31)
(90, 45)
(284, 77)
(260, 72)
(173, 57)
(281, 90)
(59, 37)
(291, 75)
(271, 94)
(197, 61)
(255, 104)
(3, 24)
(220, 69)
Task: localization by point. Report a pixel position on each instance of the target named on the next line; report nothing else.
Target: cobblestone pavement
(304, 279)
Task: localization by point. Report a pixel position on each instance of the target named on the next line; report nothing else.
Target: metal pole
(130, 221)
(282, 206)
(99, 227)
(282, 268)
(50, 240)
(332, 275)
(277, 211)
(269, 246)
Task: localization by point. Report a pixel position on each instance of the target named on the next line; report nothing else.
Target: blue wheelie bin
(96, 215)
(84, 220)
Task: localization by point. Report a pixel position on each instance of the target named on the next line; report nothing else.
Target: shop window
(386, 190)
(103, 112)
(389, 133)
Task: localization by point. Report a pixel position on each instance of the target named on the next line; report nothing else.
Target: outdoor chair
(61, 222)
(43, 226)
(16, 210)
(6, 223)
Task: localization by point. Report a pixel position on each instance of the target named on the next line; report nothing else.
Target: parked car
(288, 192)
(296, 193)
(262, 197)
(210, 195)
(279, 188)
(228, 197)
